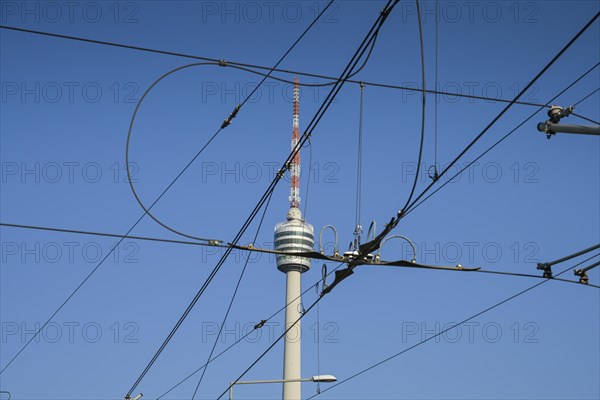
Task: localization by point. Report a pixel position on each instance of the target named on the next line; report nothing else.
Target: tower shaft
(292, 348)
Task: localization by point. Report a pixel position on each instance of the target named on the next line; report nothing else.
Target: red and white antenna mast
(295, 164)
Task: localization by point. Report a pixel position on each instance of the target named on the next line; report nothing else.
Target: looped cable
(336, 251)
(414, 249)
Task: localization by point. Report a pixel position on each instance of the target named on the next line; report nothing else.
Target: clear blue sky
(65, 111)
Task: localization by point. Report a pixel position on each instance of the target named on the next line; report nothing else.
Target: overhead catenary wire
(113, 235)
(223, 246)
(251, 67)
(458, 268)
(504, 110)
(258, 326)
(485, 271)
(586, 97)
(496, 305)
(495, 272)
(502, 139)
(582, 100)
(311, 126)
(233, 296)
(585, 118)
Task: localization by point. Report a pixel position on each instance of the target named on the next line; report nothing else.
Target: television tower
(293, 235)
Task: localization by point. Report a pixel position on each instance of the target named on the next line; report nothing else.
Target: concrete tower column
(292, 345)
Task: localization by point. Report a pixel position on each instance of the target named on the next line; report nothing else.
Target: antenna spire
(295, 164)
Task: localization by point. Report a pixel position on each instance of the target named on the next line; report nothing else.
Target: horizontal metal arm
(550, 127)
(272, 381)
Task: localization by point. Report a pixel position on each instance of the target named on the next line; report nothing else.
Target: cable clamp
(223, 63)
(260, 324)
(227, 121)
(583, 277)
(546, 268)
(281, 171)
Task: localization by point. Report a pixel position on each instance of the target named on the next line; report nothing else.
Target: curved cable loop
(336, 251)
(414, 249)
(129, 134)
(423, 111)
(226, 123)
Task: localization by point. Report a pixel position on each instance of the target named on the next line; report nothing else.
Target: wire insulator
(227, 121)
(260, 324)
